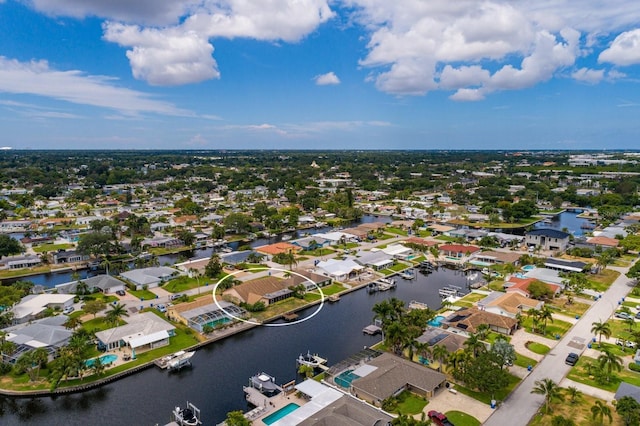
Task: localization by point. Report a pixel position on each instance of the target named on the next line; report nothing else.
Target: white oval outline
(234, 273)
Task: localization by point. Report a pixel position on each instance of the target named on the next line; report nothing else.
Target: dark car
(572, 358)
(120, 293)
(438, 418)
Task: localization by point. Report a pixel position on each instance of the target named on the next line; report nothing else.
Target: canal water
(214, 384)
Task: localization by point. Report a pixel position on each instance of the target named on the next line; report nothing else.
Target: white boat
(188, 416)
(310, 360)
(265, 384)
(409, 274)
(286, 237)
(175, 361)
(385, 284)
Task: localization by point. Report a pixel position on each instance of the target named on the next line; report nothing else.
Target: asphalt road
(521, 405)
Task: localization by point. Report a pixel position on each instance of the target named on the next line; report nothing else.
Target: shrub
(634, 367)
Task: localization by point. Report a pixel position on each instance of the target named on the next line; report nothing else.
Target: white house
(33, 306)
(143, 331)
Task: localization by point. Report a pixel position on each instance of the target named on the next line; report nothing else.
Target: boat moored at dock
(311, 360)
(188, 416)
(175, 361)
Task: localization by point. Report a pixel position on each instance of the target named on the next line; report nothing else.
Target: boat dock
(175, 361)
(372, 330)
(385, 284)
(408, 274)
(290, 317)
(417, 305)
(450, 290)
(334, 298)
(312, 360)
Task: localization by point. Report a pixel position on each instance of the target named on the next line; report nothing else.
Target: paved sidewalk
(588, 390)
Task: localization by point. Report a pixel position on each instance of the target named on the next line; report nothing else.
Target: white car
(68, 310)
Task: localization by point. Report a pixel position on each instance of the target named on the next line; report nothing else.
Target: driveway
(445, 401)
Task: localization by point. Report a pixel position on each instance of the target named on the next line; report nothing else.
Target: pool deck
(265, 405)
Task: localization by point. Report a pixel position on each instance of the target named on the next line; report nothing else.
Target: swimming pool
(345, 378)
(436, 321)
(218, 322)
(528, 267)
(104, 359)
(277, 415)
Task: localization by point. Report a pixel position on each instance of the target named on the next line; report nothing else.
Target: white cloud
(182, 54)
(164, 57)
(588, 75)
(151, 12)
(417, 46)
(625, 49)
(37, 78)
(329, 78)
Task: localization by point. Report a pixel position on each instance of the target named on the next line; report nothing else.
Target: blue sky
(319, 74)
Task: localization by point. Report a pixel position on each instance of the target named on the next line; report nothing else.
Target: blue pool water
(274, 417)
(105, 359)
(345, 378)
(436, 321)
(528, 267)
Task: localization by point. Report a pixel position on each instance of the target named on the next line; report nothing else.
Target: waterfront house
(468, 320)
(398, 251)
(487, 258)
(376, 260)
(33, 306)
(267, 290)
(311, 242)
(565, 265)
(160, 241)
(68, 256)
(47, 333)
(150, 277)
(547, 239)
(340, 270)
(143, 331)
(202, 312)
(19, 262)
(278, 248)
(458, 250)
(103, 283)
(388, 375)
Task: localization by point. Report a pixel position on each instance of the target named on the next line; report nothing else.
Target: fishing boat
(188, 416)
(265, 384)
(385, 284)
(175, 361)
(311, 360)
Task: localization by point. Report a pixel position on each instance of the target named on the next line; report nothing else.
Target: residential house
(33, 306)
(278, 248)
(19, 262)
(376, 260)
(68, 256)
(458, 250)
(603, 242)
(8, 226)
(340, 270)
(491, 257)
(521, 286)
(398, 251)
(103, 283)
(468, 320)
(202, 312)
(311, 242)
(547, 239)
(388, 375)
(565, 265)
(47, 333)
(150, 277)
(508, 304)
(142, 332)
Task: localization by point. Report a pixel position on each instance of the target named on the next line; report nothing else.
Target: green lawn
(143, 294)
(395, 268)
(557, 327)
(396, 231)
(409, 403)
(483, 397)
(603, 280)
(98, 324)
(524, 361)
(459, 418)
(183, 283)
(51, 247)
(318, 252)
(579, 374)
(538, 348)
(575, 308)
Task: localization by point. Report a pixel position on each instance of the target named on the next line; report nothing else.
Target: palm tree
(98, 367)
(482, 331)
(534, 314)
(474, 345)
(81, 288)
(116, 312)
(441, 353)
(423, 350)
(609, 361)
(549, 389)
(72, 323)
(546, 314)
(600, 410)
(631, 322)
(574, 394)
(601, 329)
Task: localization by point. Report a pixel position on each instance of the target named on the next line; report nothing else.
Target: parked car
(572, 358)
(120, 293)
(638, 315)
(438, 418)
(622, 315)
(627, 343)
(161, 308)
(175, 296)
(68, 310)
